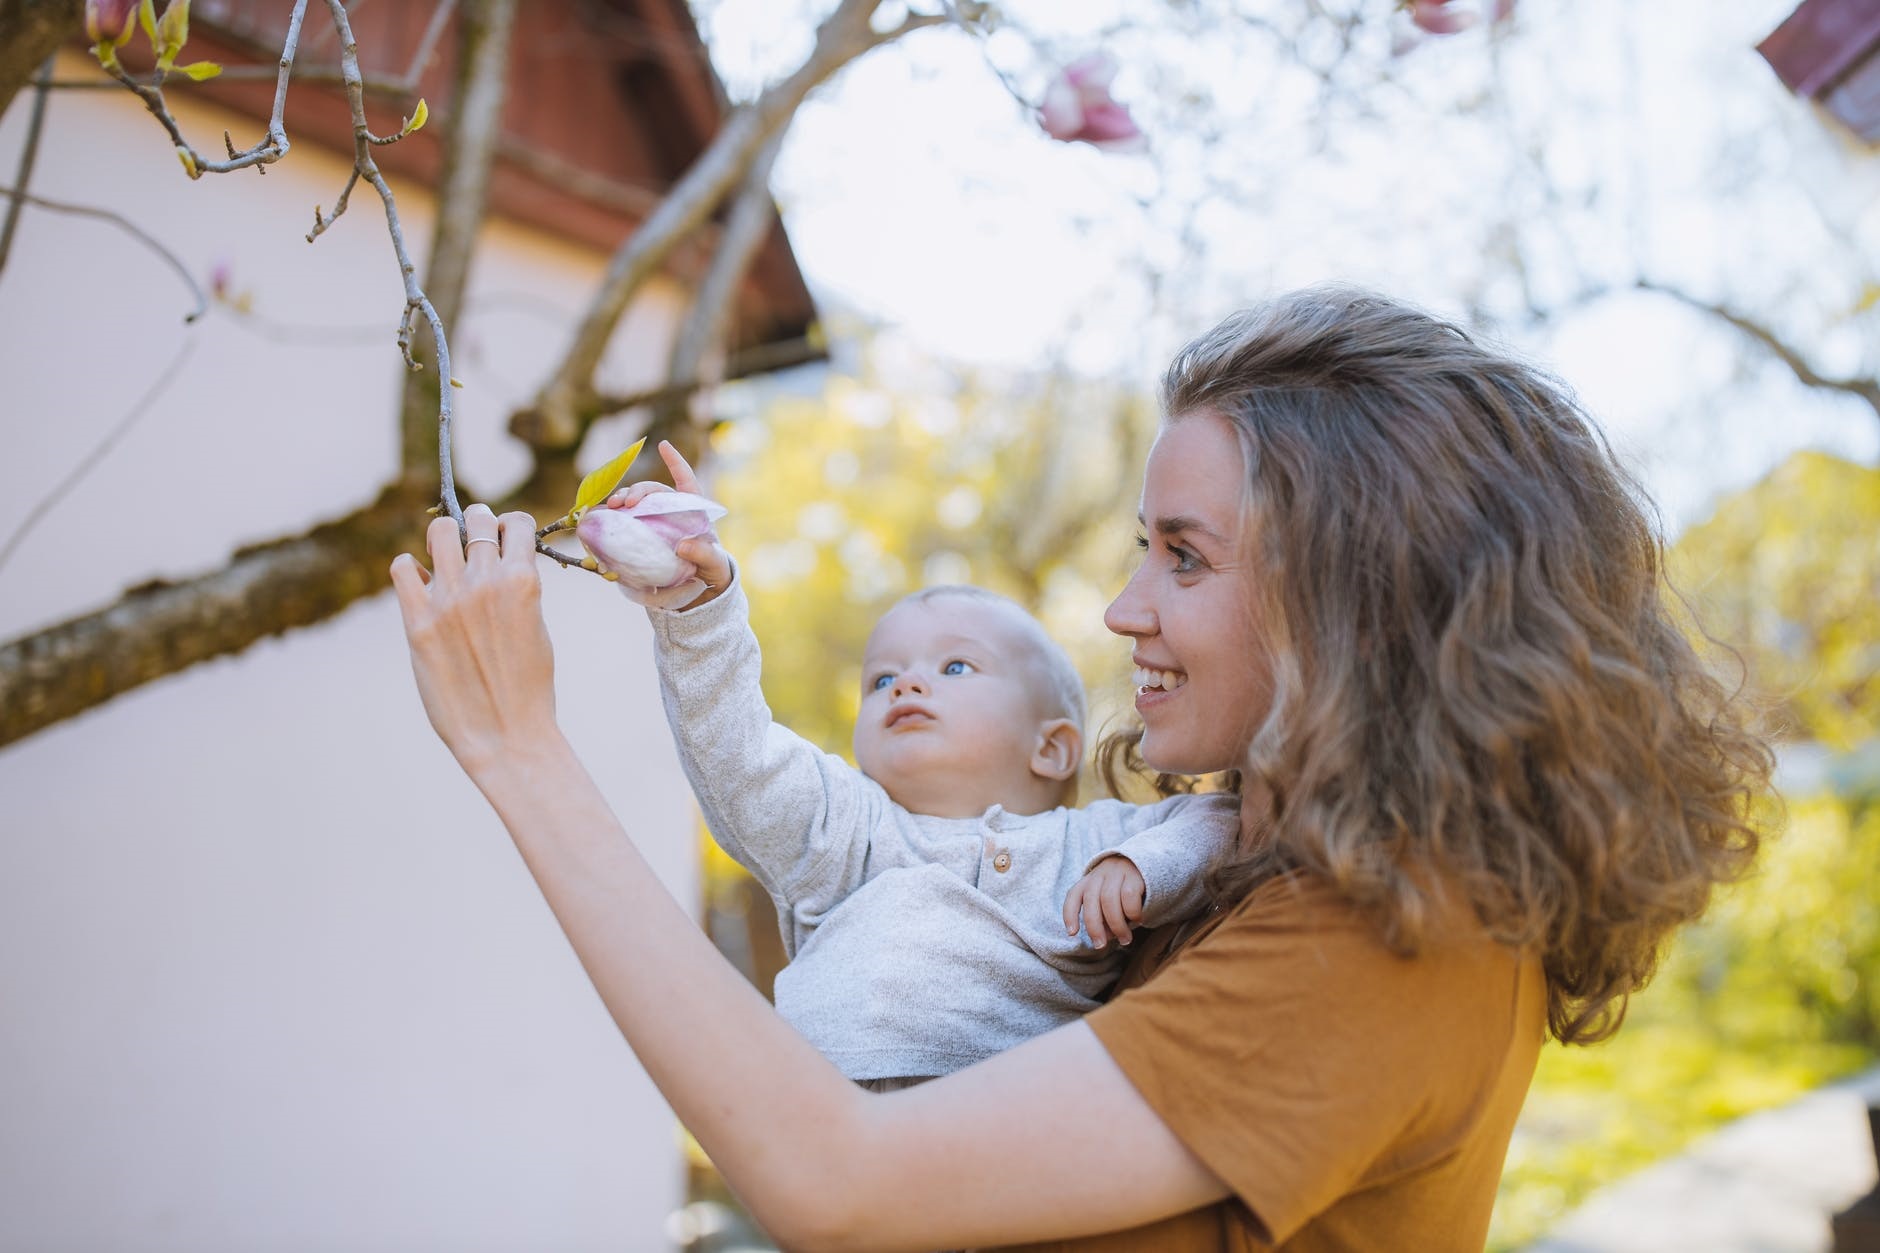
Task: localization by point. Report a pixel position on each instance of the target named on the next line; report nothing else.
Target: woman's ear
(1059, 751)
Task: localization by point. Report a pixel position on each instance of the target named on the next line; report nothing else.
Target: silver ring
(481, 539)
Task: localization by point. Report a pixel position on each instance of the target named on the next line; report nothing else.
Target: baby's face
(950, 713)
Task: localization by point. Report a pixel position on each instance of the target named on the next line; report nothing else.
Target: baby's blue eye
(955, 667)
(880, 681)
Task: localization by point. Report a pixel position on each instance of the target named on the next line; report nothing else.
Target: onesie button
(1003, 862)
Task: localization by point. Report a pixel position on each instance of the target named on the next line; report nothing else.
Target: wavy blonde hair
(1477, 677)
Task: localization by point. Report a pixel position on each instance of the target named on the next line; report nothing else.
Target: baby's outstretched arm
(1107, 901)
(798, 818)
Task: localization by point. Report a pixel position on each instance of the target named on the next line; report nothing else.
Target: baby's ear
(1059, 750)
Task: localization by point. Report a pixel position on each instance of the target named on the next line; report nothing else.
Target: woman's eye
(880, 681)
(1185, 561)
(956, 667)
(1142, 542)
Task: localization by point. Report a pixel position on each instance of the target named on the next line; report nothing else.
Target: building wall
(271, 974)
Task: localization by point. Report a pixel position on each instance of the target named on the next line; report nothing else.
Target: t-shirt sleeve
(1293, 1053)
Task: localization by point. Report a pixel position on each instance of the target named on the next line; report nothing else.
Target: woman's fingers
(518, 536)
(483, 545)
(1073, 902)
(408, 580)
(446, 549)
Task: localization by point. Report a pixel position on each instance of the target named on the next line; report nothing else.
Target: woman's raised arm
(1047, 1140)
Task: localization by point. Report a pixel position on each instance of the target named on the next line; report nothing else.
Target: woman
(1404, 592)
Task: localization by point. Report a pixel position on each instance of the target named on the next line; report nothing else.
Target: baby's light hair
(1062, 687)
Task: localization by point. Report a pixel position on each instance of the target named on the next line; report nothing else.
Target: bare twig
(266, 152)
(403, 84)
(35, 124)
(703, 332)
(1867, 389)
(560, 414)
(144, 237)
(416, 302)
(774, 356)
(97, 452)
(479, 87)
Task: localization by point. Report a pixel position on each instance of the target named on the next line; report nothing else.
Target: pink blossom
(1078, 106)
(1446, 17)
(636, 544)
(109, 21)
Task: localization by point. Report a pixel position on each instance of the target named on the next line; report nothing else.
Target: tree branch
(416, 302)
(703, 331)
(470, 140)
(62, 489)
(562, 410)
(1866, 388)
(266, 152)
(31, 31)
(135, 231)
(35, 124)
(161, 628)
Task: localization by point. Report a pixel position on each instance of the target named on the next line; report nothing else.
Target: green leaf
(172, 33)
(418, 117)
(147, 18)
(600, 484)
(201, 71)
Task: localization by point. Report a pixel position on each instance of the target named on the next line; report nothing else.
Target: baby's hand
(1109, 900)
(703, 551)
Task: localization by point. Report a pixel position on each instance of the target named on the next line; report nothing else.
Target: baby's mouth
(1147, 680)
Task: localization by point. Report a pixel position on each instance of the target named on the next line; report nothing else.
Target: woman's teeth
(1167, 680)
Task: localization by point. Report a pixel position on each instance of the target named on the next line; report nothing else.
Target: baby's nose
(910, 684)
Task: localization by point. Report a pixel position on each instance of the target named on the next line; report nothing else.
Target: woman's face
(1203, 683)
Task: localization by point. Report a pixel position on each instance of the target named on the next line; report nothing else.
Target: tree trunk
(31, 31)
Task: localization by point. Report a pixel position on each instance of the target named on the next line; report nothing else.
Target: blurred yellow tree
(844, 501)
(1788, 572)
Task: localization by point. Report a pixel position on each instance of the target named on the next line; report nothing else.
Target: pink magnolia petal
(625, 546)
(1093, 73)
(1108, 123)
(1439, 18)
(1062, 114)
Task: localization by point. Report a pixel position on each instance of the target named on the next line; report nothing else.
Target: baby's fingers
(1073, 903)
(681, 470)
(1113, 916)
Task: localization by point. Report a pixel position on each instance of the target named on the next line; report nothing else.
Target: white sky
(919, 196)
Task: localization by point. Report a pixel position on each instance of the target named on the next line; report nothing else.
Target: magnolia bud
(109, 21)
(1078, 107)
(637, 543)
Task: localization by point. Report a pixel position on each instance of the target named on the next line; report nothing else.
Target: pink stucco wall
(271, 975)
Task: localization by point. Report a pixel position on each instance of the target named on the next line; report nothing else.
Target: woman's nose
(1130, 614)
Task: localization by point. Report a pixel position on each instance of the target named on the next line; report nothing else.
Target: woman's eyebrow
(1178, 523)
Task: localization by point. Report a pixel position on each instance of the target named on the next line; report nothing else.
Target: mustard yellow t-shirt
(1351, 1099)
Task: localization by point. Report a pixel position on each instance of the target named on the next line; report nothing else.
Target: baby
(935, 901)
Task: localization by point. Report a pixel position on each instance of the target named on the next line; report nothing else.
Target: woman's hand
(479, 646)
